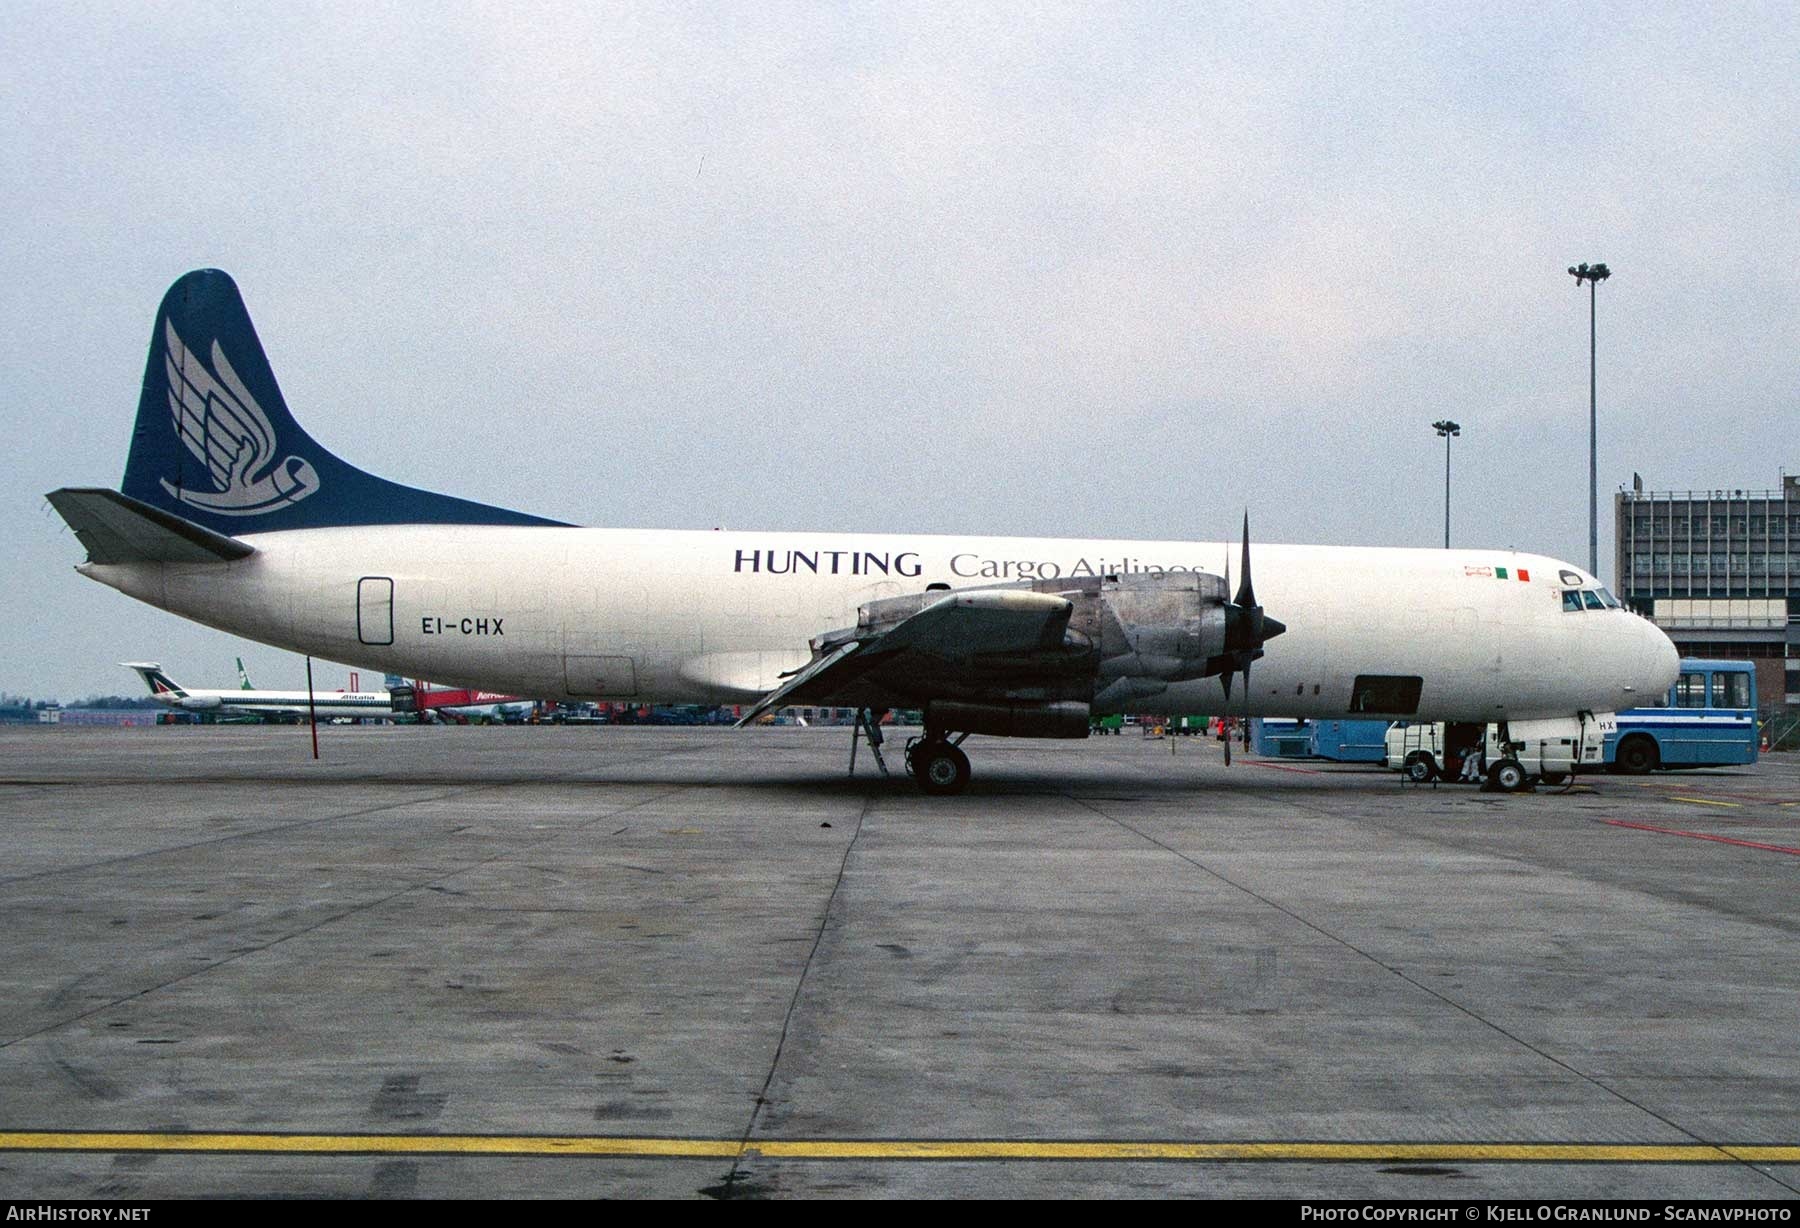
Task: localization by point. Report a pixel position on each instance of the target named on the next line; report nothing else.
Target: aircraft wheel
(1637, 755)
(1508, 776)
(1421, 768)
(941, 769)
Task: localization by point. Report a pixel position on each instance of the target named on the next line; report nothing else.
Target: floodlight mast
(1592, 274)
(1447, 429)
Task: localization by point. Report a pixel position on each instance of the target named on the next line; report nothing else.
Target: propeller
(1247, 628)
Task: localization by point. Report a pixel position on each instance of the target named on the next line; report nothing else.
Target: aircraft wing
(784, 694)
(932, 634)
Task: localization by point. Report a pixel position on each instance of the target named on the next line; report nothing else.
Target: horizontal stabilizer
(116, 528)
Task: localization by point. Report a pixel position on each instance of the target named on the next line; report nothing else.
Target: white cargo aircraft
(250, 701)
(232, 515)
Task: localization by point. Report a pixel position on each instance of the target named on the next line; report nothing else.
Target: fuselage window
(1572, 600)
(1592, 599)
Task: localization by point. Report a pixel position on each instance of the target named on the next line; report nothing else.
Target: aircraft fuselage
(718, 617)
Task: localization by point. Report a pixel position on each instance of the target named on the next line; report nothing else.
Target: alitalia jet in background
(232, 515)
(402, 698)
(249, 701)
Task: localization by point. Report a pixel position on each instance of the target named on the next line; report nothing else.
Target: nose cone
(1658, 663)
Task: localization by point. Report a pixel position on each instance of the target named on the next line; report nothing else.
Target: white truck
(1509, 755)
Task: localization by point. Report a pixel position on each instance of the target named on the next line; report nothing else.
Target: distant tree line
(23, 707)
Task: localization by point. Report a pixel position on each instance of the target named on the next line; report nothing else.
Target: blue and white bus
(1708, 719)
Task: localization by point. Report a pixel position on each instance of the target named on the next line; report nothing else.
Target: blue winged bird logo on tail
(228, 432)
(215, 444)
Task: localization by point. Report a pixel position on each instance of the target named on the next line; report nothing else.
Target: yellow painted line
(1705, 801)
(977, 1149)
(889, 1149)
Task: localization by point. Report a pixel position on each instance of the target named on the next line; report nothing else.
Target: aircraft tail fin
(243, 676)
(216, 445)
(116, 528)
(160, 684)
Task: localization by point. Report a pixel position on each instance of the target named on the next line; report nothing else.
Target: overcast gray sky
(1033, 269)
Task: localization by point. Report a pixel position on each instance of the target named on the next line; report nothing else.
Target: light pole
(1593, 275)
(1446, 429)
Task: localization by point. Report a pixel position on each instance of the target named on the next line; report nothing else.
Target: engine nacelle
(199, 703)
(1014, 720)
(1126, 638)
(1165, 627)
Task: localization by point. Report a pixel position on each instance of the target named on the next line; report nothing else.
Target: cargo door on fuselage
(600, 677)
(601, 643)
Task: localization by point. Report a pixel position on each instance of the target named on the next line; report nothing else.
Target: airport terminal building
(1719, 570)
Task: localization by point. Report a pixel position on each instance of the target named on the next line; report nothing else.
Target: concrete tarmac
(515, 962)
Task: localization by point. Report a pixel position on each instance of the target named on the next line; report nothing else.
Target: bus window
(1732, 689)
(1592, 599)
(1571, 600)
(1690, 691)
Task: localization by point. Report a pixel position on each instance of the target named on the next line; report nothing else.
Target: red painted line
(1698, 835)
(1282, 767)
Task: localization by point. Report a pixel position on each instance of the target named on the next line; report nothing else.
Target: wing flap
(818, 668)
(116, 528)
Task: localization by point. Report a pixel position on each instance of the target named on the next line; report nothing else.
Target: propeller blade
(1247, 661)
(1246, 594)
(1247, 628)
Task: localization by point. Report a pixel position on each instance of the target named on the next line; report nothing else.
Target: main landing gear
(936, 761)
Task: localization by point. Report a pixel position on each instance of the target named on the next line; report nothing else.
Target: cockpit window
(1578, 599)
